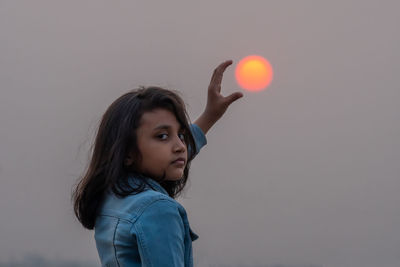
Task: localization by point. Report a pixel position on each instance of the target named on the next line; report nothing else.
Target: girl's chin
(175, 177)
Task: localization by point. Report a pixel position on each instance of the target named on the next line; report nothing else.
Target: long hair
(116, 137)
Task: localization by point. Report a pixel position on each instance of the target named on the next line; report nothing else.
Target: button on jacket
(146, 229)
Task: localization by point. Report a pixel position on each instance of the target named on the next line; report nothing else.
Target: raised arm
(200, 139)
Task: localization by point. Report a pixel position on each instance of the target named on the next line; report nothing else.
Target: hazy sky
(305, 172)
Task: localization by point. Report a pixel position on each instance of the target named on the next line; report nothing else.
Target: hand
(217, 104)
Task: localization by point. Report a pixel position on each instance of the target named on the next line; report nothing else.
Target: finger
(216, 78)
(233, 97)
(219, 71)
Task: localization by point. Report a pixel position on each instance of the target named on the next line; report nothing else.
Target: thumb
(233, 97)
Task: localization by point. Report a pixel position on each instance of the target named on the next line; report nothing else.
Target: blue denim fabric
(146, 229)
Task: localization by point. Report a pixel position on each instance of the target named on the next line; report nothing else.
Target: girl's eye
(182, 136)
(165, 136)
(161, 135)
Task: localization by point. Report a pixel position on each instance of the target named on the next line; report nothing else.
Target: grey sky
(306, 172)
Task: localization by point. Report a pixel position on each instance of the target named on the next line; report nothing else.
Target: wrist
(210, 116)
(206, 121)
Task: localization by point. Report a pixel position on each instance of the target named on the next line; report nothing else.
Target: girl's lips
(179, 162)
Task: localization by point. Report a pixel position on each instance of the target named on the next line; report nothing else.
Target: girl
(140, 164)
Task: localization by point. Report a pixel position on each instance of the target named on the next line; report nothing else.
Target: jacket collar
(138, 178)
(156, 186)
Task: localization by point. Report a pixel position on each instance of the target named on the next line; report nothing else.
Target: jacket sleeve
(199, 138)
(160, 235)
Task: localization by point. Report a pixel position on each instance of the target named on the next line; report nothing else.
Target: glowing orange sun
(253, 73)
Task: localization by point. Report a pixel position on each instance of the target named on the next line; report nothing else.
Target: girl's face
(161, 142)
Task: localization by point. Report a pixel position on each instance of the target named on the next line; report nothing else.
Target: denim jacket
(147, 229)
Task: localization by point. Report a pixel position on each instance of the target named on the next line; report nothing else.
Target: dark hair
(116, 137)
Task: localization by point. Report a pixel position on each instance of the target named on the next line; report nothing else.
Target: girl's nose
(179, 145)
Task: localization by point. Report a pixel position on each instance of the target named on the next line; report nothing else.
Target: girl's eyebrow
(165, 126)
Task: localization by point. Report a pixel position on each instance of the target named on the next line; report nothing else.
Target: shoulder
(162, 217)
(155, 201)
(133, 206)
